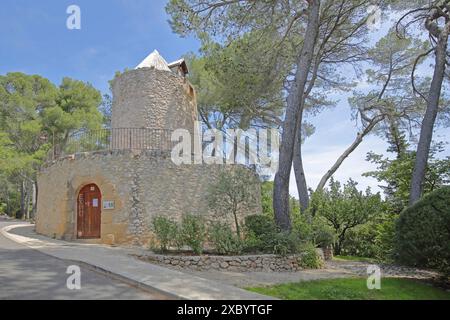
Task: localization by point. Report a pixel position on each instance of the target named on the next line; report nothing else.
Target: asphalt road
(27, 274)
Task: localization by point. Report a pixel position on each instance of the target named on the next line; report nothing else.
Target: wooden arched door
(89, 212)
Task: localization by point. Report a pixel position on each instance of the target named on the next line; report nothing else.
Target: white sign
(108, 205)
(95, 203)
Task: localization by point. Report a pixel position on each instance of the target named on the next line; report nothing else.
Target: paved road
(28, 274)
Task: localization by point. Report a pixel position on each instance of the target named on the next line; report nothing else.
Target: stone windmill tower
(150, 102)
(111, 195)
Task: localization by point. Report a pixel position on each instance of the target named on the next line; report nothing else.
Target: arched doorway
(89, 212)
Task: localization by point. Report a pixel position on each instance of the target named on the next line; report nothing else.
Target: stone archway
(89, 212)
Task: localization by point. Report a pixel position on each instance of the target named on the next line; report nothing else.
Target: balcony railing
(115, 139)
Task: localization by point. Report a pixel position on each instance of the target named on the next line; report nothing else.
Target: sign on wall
(108, 204)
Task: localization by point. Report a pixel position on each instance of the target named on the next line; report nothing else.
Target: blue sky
(114, 35)
(118, 34)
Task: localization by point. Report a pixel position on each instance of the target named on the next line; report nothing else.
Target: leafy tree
(434, 19)
(396, 174)
(231, 194)
(344, 208)
(423, 233)
(228, 20)
(76, 109)
(238, 86)
(313, 38)
(390, 100)
(34, 116)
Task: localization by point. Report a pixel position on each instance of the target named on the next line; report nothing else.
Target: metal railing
(115, 139)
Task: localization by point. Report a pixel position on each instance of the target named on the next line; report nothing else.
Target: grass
(355, 289)
(353, 258)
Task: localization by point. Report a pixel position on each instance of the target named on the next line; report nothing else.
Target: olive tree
(232, 193)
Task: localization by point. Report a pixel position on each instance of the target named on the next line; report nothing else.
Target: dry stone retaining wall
(267, 263)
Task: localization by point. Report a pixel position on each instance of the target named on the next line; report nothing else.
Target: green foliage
(360, 241)
(385, 238)
(260, 225)
(262, 235)
(310, 259)
(166, 231)
(236, 83)
(3, 208)
(283, 243)
(35, 114)
(314, 229)
(344, 208)
(193, 232)
(260, 230)
(231, 194)
(224, 240)
(267, 198)
(423, 232)
(396, 174)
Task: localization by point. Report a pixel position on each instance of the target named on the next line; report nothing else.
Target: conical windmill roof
(154, 60)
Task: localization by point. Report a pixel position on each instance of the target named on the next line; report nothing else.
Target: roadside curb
(92, 267)
(120, 265)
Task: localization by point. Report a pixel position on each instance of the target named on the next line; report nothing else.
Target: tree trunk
(300, 178)
(347, 152)
(426, 133)
(27, 201)
(293, 111)
(22, 200)
(34, 200)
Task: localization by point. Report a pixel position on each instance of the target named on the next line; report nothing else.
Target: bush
(360, 241)
(283, 243)
(193, 232)
(314, 230)
(385, 239)
(423, 232)
(165, 230)
(345, 208)
(232, 193)
(260, 231)
(224, 239)
(310, 258)
(260, 225)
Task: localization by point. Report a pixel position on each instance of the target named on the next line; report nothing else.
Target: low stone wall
(266, 263)
(328, 253)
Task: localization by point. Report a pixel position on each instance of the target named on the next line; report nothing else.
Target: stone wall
(266, 263)
(142, 185)
(151, 98)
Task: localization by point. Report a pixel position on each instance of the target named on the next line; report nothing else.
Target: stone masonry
(136, 172)
(258, 263)
(141, 185)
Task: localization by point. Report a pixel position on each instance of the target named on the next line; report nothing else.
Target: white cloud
(318, 160)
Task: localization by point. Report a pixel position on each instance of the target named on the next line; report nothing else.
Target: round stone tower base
(134, 188)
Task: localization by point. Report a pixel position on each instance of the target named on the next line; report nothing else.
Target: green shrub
(385, 239)
(165, 231)
(283, 243)
(313, 229)
(193, 232)
(260, 232)
(260, 225)
(360, 241)
(233, 193)
(310, 258)
(3, 207)
(224, 239)
(423, 232)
